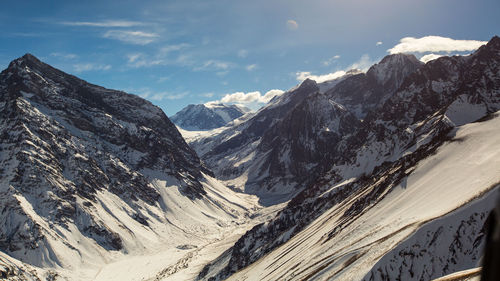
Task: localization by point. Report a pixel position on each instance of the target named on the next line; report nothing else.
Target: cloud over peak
(434, 44)
(251, 97)
(303, 75)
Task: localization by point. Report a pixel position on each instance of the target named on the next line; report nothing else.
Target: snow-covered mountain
(384, 177)
(199, 117)
(293, 140)
(91, 175)
(391, 175)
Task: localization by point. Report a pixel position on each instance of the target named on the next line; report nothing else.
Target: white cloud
(429, 57)
(108, 23)
(269, 95)
(163, 79)
(169, 96)
(214, 65)
(134, 57)
(303, 75)
(132, 37)
(292, 25)
(64, 56)
(250, 97)
(242, 53)
(171, 48)
(141, 60)
(434, 44)
(90, 67)
(364, 63)
(251, 67)
(162, 57)
(379, 43)
(222, 73)
(147, 93)
(185, 59)
(331, 60)
(240, 97)
(207, 95)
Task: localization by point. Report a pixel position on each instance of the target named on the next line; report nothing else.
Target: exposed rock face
(63, 141)
(411, 110)
(199, 117)
(288, 144)
(232, 152)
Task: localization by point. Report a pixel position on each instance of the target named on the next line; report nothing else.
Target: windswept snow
(440, 184)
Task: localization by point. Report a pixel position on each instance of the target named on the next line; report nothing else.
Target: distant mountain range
(388, 174)
(200, 117)
(349, 155)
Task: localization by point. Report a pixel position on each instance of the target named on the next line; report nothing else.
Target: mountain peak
(394, 66)
(307, 83)
(199, 117)
(494, 42)
(30, 57)
(27, 59)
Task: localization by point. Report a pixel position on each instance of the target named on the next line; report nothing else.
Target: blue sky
(175, 53)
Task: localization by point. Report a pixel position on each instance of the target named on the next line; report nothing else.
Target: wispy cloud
(379, 43)
(132, 37)
(242, 53)
(107, 23)
(163, 56)
(251, 67)
(364, 63)
(168, 96)
(214, 65)
(137, 60)
(64, 55)
(82, 67)
(149, 94)
(250, 97)
(172, 48)
(163, 79)
(207, 95)
(331, 60)
(292, 24)
(434, 44)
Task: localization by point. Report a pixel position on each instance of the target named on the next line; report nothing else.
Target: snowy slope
(438, 192)
(91, 177)
(290, 142)
(367, 164)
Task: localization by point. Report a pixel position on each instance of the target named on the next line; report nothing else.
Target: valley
(384, 174)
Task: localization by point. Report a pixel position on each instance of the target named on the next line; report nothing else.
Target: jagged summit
(490, 48)
(26, 58)
(365, 149)
(394, 67)
(308, 82)
(494, 41)
(34, 64)
(73, 153)
(199, 117)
